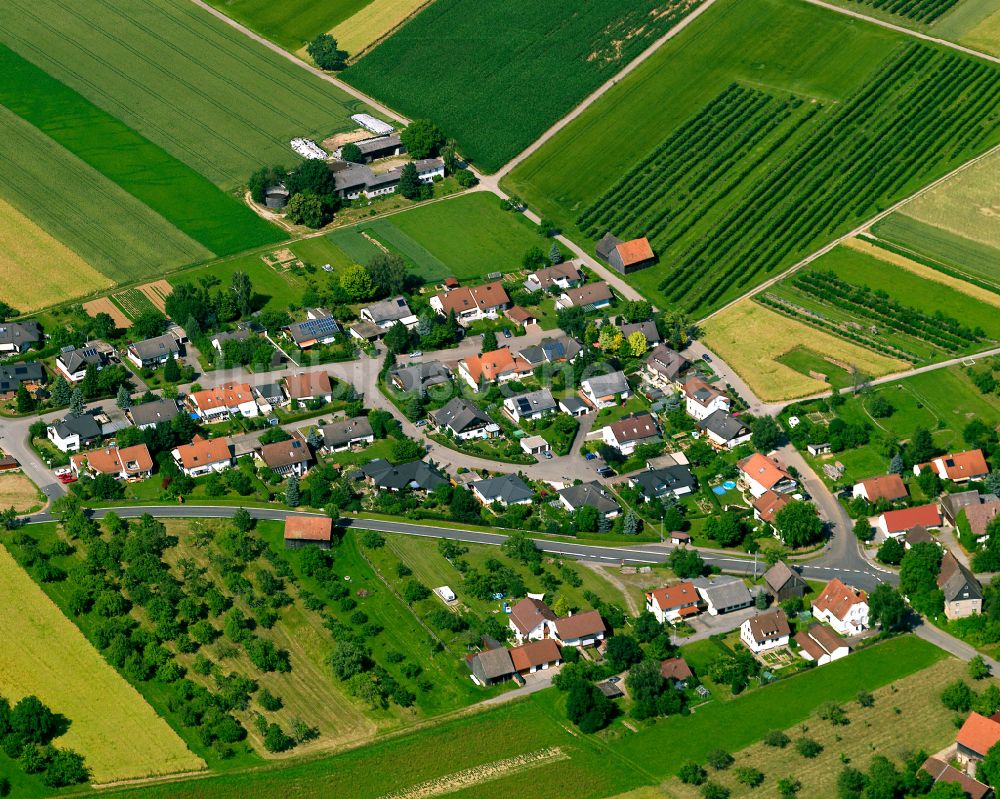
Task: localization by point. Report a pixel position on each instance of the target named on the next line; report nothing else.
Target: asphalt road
(865, 577)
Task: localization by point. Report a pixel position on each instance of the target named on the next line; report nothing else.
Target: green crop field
(185, 80)
(741, 158)
(925, 11)
(936, 246)
(93, 216)
(467, 237)
(290, 23)
(505, 72)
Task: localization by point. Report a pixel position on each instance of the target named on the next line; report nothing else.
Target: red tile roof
(635, 251)
(308, 528)
(580, 625)
(763, 470)
(535, 653)
(529, 613)
(890, 487)
(230, 395)
(769, 503)
(490, 365)
(131, 461)
(308, 384)
(484, 298)
(962, 465)
(979, 734)
(899, 521)
(675, 596)
(839, 598)
(202, 452)
(675, 669)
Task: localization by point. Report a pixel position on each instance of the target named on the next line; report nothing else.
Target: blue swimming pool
(729, 485)
(718, 490)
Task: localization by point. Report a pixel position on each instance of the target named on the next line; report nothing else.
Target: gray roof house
(417, 475)
(13, 375)
(507, 489)
(73, 361)
(387, 312)
(552, 350)
(665, 365)
(723, 593)
(658, 483)
(319, 327)
(604, 390)
(219, 339)
(463, 419)
(588, 494)
(19, 336)
(648, 330)
(347, 433)
(724, 431)
(419, 376)
(271, 393)
(152, 351)
(533, 405)
(963, 595)
(74, 432)
(492, 666)
(150, 414)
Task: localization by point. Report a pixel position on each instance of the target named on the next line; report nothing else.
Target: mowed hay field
(974, 23)
(746, 142)
(371, 23)
(907, 716)
(496, 75)
(290, 23)
(56, 272)
(751, 339)
(185, 80)
(111, 725)
(91, 215)
(18, 492)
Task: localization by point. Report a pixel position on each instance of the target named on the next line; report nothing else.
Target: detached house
(386, 313)
(895, 523)
(628, 433)
(531, 406)
(203, 456)
(154, 351)
(761, 474)
(959, 467)
(319, 327)
(581, 629)
(765, 631)
(723, 430)
(702, 399)
(286, 458)
(890, 488)
(604, 391)
(74, 433)
(558, 276)
(150, 414)
(472, 304)
(589, 495)
(963, 595)
(130, 463)
(531, 619)
(419, 377)
(347, 434)
(73, 361)
(821, 644)
(977, 736)
(767, 505)
(842, 607)
(29, 374)
(674, 602)
(591, 297)
(657, 483)
(307, 386)
(665, 366)
(19, 336)
(498, 366)
(414, 476)
(506, 489)
(564, 349)
(464, 420)
(222, 402)
(625, 256)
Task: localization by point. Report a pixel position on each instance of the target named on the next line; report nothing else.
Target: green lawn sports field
(185, 80)
(485, 72)
(710, 120)
(290, 23)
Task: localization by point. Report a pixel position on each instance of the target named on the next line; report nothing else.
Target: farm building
(821, 644)
(304, 531)
(373, 125)
(275, 197)
(492, 666)
(378, 147)
(625, 256)
(783, 582)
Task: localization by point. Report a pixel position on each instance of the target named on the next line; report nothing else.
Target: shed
(303, 531)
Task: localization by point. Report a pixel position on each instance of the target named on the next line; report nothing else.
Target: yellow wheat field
(750, 337)
(37, 270)
(373, 22)
(112, 725)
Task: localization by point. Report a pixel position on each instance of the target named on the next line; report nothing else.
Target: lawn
(773, 335)
(290, 23)
(18, 492)
(736, 724)
(724, 143)
(907, 716)
(467, 237)
(183, 79)
(167, 185)
(489, 81)
(98, 222)
(44, 654)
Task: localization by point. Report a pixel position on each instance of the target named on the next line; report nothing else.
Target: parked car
(548, 455)
(606, 471)
(416, 354)
(67, 478)
(706, 358)
(420, 423)
(506, 332)
(590, 456)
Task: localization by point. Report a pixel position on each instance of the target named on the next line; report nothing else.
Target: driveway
(707, 625)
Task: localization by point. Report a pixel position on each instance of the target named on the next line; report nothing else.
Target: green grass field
(935, 245)
(290, 23)
(467, 237)
(189, 201)
(46, 655)
(804, 360)
(709, 121)
(596, 766)
(489, 81)
(185, 80)
(93, 216)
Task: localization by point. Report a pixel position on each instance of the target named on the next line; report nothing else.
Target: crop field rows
(508, 76)
(924, 110)
(925, 11)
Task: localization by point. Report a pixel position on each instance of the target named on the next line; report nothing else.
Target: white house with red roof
(760, 474)
(890, 487)
(673, 602)
(895, 523)
(959, 467)
(628, 433)
(472, 304)
(701, 399)
(531, 619)
(842, 607)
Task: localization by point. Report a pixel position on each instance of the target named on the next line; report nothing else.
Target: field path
(901, 29)
(493, 180)
(344, 87)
